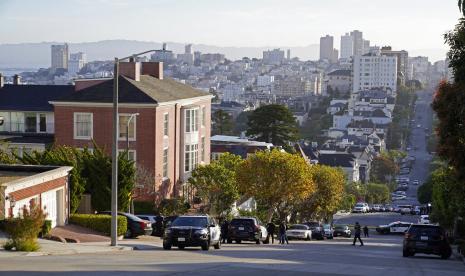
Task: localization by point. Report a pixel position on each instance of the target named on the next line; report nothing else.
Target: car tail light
(142, 224)
(256, 228)
(409, 235)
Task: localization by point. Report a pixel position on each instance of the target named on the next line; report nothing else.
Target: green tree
(216, 185)
(276, 179)
(273, 123)
(377, 193)
(6, 158)
(383, 169)
(425, 192)
(222, 123)
(329, 193)
(240, 124)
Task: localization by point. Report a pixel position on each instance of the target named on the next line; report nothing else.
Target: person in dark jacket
(365, 231)
(282, 233)
(358, 232)
(159, 225)
(270, 228)
(224, 230)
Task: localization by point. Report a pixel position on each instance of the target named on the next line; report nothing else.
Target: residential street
(381, 255)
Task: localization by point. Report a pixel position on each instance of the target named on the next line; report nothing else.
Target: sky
(404, 24)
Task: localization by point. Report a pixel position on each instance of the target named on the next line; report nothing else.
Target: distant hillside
(36, 55)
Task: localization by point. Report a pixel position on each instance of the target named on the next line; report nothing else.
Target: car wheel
(266, 241)
(257, 241)
(229, 241)
(166, 246)
(218, 245)
(308, 238)
(128, 233)
(238, 241)
(405, 253)
(181, 247)
(206, 246)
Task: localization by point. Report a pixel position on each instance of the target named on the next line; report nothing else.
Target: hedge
(99, 223)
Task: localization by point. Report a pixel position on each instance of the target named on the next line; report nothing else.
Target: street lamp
(114, 154)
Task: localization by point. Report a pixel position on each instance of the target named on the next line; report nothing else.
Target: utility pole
(114, 159)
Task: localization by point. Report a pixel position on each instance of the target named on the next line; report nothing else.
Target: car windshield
(130, 216)
(339, 227)
(426, 230)
(236, 222)
(313, 224)
(326, 226)
(190, 221)
(298, 227)
(359, 205)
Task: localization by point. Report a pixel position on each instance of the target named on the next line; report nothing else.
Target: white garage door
(49, 205)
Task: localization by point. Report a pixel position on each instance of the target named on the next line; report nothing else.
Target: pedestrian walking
(270, 228)
(358, 232)
(282, 233)
(365, 231)
(224, 231)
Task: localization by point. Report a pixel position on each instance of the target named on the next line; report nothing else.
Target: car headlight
(201, 232)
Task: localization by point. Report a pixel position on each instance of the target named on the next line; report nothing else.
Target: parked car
(328, 231)
(317, 229)
(424, 219)
(153, 222)
(247, 229)
(186, 231)
(416, 182)
(415, 210)
(377, 207)
(427, 239)
(299, 231)
(360, 207)
(405, 209)
(136, 226)
(342, 230)
(388, 208)
(397, 227)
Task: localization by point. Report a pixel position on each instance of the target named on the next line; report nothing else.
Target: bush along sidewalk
(24, 230)
(99, 223)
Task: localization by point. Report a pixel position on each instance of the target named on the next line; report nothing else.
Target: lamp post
(114, 154)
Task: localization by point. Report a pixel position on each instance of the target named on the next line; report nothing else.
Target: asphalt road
(418, 141)
(381, 255)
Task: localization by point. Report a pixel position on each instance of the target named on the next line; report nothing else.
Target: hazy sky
(406, 24)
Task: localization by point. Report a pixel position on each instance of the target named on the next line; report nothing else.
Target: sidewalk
(48, 247)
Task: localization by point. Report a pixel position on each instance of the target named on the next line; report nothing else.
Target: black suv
(200, 230)
(246, 229)
(317, 230)
(428, 239)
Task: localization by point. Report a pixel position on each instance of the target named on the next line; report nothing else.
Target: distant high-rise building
(188, 56)
(60, 56)
(275, 56)
(288, 54)
(334, 56)
(347, 46)
(374, 70)
(76, 62)
(326, 47)
(357, 37)
(366, 46)
(402, 62)
(188, 49)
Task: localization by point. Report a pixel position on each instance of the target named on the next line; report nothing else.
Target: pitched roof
(148, 90)
(27, 97)
(337, 159)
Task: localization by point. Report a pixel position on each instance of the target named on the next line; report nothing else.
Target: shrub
(46, 227)
(99, 223)
(24, 230)
(144, 207)
(173, 206)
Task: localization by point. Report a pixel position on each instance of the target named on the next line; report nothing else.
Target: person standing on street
(282, 233)
(224, 231)
(270, 229)
(358, 232)
(365, 231)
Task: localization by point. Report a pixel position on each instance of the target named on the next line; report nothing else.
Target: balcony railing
(21, 127)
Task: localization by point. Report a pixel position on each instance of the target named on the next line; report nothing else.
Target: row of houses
(164, 125)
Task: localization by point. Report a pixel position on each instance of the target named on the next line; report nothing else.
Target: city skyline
(241, 24)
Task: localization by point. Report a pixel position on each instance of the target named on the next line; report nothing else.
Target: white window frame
(166, 124)
(192, 127)
(119, 128)
(191, 157)
(91, 126)
(165, 176)
(131, 151)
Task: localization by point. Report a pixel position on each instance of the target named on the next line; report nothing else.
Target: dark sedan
(136, 226)
(342, 230)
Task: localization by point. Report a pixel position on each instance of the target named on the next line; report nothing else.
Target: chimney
(130, 69)
(2, 80)
(154, 69)
(16, 79)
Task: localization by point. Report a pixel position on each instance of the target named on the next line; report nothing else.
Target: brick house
(23, 186)
(168, 138)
